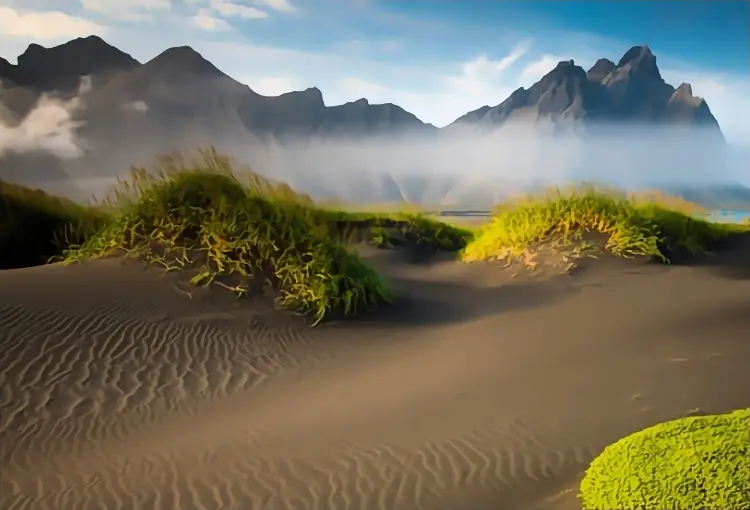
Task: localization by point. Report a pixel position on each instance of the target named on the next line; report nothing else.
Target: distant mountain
(60, 68)
(570, 98)
(178, 101)
(179, 84)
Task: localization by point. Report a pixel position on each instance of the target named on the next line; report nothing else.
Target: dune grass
(688, 464)
(249, 239)
(227, 226)
(35, 226)
(567, 221)
(395, 229)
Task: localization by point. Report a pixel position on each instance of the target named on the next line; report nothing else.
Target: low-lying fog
(452, 167)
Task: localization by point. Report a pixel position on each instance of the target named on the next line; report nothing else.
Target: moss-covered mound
(629, 226)
(687, 464)
(35, 226)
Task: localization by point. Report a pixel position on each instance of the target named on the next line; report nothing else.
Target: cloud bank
(506, 161)
(49, 127)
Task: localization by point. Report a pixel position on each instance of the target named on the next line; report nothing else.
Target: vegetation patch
(249, 239)
(388, 230)
(566, 223)
(35, 226)
(687, 464)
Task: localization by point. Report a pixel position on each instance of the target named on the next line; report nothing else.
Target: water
(725, 216)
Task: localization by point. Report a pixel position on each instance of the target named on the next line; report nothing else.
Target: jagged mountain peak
(182, 60)
(630, 91)
(61, 67)
(637, 53)
(600, 69)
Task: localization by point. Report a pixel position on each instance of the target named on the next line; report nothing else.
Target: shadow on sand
(729, 258)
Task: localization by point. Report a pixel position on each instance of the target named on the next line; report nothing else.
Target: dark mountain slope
(631, 91)
(60, 68)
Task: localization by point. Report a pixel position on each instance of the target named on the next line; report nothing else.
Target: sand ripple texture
(118, 392)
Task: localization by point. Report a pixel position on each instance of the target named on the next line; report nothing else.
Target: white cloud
(136, 106)
(45, 25)
(206, 21)
(48, 127)
(436, 90)
(728, 97)
(272, 86)
(230, 9)
(481, 74)
(534, 71)
(277, 5)
(130, 10)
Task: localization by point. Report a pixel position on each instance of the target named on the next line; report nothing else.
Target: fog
(49, 127)
(632, 157)
(449, 166)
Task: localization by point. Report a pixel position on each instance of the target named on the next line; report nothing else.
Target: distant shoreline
(720, 215)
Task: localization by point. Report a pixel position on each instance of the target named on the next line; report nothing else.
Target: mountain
(177, 101)
(128, 112)
(570, 98)
(60, 68)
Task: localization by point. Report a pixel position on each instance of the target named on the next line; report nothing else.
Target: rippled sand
(122, 389)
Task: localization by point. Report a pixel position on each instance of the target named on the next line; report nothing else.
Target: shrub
(687, 464)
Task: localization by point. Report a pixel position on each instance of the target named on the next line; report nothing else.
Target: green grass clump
(245, 237)
(35, 226)
(687, 464)
(631, 227)
(396, 229)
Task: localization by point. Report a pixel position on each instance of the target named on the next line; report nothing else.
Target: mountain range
(129, 111)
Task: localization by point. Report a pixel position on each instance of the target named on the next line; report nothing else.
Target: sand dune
(123, 389)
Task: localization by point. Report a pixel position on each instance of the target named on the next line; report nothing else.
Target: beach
(480, 389)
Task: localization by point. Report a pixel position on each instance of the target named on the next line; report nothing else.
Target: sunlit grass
(225, 225)
(630, 226)
(243, 233)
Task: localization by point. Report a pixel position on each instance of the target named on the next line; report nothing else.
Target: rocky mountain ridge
(179, 100)
(630, 91)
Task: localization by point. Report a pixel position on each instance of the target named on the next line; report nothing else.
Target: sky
(436, 59)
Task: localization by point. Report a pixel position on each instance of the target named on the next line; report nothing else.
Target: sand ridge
(119, 391)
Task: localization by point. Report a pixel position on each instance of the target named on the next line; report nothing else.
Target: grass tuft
(691, 463)
(629, 227)
(249, 238)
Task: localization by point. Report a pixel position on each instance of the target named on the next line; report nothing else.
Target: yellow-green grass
(687, 464)
(226, 227)
(630, 226)
(205, 221)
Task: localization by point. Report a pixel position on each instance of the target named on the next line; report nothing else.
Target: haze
(453, 166)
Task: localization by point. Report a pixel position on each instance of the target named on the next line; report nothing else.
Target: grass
(226, 227)
(687, 464)
(35, 226)
(395, 229)
(567, 222)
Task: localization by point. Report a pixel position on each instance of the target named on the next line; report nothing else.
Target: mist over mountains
(74, 116)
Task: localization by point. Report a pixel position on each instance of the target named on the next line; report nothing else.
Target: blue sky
(437, 59)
